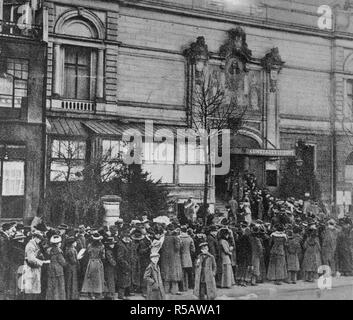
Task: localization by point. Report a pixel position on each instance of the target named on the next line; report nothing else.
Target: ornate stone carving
(198, 51)
(272, 63)
(272, 60)
(236, 46)
(236, 53)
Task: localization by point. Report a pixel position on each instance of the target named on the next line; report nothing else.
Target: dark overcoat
(170, 259)
(5, 265)
(71, 274)
(110, 271)
(124, 265)
(56, 279)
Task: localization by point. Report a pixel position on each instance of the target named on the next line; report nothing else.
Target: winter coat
(5, 264)
(31, 279)
(226, 253)
(143, 253)
(71, 274)
(187, 249)
(56, 279)
(209, 272)
(17, 257)
(94, 277)
(277, 269)
(294, 250)
(170, 259)
(135, 263)
(312, 255)
(155, 288)
(123, 262)
(213, 246)
(344, 252)
(110, 271)
(257, 254)
(329, 244)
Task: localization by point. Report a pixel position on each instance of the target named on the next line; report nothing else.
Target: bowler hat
(109, 240)
(70, 240)
(63, 227)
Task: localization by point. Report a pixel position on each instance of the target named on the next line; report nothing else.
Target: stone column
(58, 79)
(100, 76)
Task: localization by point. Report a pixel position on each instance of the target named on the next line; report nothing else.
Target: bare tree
(211, 113)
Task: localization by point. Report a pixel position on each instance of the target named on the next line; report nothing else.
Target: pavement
(341, 289)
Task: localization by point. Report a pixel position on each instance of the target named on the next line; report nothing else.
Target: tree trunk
(207, 174)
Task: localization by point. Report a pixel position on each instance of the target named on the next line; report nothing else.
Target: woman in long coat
(312, 256)
(344, 252)
(56, 279)
(227, 278)
(124, 264)
(277, 269)
(93, 283)
(110, 268)
(257, 253)
(294, 250)
(244, 257)
(71, 270)
(170, 262)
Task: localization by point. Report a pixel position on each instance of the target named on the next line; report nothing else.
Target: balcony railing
(14, 29)
(83, 106)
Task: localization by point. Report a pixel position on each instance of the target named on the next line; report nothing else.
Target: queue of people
(260, 239)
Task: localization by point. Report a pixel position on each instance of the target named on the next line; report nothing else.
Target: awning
(109, 128)
(273, 153)
(66, 127)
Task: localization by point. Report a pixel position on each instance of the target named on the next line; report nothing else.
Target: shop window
(271, 178)
(13, 82)
(349, 168)
(67, 160)
(79, 73)
(12, 175)
(158, 161)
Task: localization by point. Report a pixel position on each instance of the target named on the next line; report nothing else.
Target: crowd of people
(258, 239)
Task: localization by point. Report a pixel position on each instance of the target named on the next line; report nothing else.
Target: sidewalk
(263, 290)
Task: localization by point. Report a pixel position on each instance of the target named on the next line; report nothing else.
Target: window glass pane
(271, 178)
(70, 55)
(83, 57)
(111, 148)
(55, 149)
(160, 171)
(349, 173)
(70, 82)
(59, 171)
(349, 87)
(192, 174)
(83, 83)
(13, 181)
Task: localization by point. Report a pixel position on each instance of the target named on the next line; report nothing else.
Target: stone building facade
(114, 64)
(22, 118)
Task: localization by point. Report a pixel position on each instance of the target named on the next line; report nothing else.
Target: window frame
(77, 161)
(92, 71)
(23, 62)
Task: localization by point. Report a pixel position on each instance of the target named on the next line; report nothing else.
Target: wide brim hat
(136, 235)
(19, 236)
(109, 240)
(203, 244)
(55, 239)
(70, 240)
(38, 234)
(6, 226)
(96, 236)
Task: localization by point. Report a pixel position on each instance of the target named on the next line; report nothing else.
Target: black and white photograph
(176, 150)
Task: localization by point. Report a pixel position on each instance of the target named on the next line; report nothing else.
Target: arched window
(79, 68)
(349, 168)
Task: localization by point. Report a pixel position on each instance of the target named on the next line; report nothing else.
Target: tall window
(12, 178)
(67, 160)
(13, 82)
(78, 70)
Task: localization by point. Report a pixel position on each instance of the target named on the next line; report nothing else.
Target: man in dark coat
(8, 230)
(152, 275)
(123, 251)
(171, 261)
